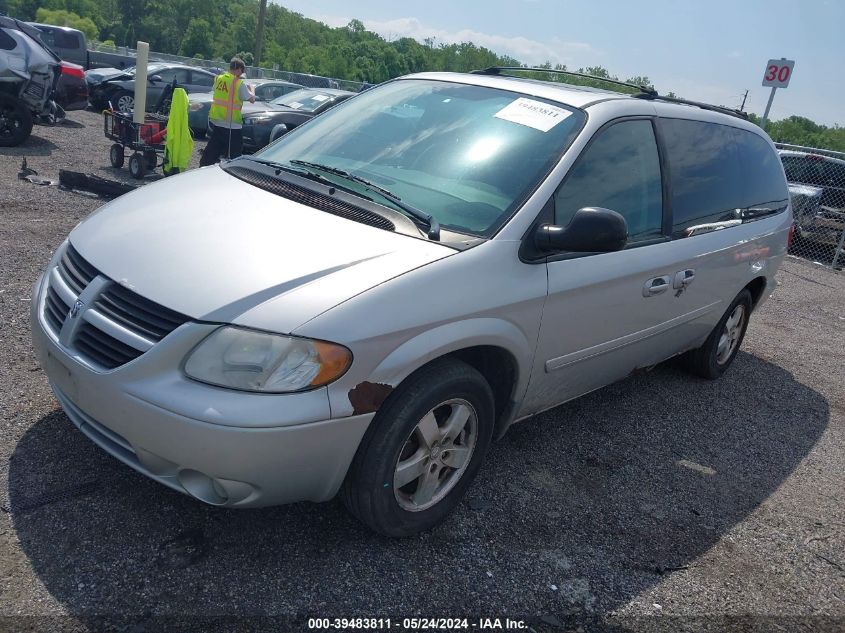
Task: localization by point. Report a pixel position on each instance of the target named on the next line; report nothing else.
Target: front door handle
(656, 285)
(683, 278)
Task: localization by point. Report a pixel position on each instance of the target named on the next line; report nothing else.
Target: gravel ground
(659, 503)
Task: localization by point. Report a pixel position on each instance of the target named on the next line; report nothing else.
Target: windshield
(303, 100)
(151, 69)
(467, 155)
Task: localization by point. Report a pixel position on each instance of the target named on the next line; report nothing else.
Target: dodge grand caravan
(366, 303)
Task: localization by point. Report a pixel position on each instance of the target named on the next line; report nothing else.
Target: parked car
(71, 89)
(265, 90)
(264, 123)
(365, 304)
(119, 89)
(817, 188)
(71, 46)
(29, 72)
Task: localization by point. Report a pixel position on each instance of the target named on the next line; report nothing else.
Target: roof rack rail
(645, 92)
(704, 106)
(497, 70)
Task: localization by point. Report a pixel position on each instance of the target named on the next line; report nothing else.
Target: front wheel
(422, 450)
(137, 167)
(713, 358)
(124, 101)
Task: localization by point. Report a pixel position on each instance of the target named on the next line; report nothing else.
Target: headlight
(253, 120)
(249, 360)
(195, 106)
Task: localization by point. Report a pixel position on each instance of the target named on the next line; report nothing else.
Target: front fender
(346, 395)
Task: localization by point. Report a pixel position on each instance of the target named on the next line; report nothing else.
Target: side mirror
(591, 230)
(154, 79)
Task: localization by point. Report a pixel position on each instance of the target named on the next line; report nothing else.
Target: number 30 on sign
(778, 73)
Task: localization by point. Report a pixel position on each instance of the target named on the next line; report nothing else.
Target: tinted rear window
(762, 171)
(707, 177)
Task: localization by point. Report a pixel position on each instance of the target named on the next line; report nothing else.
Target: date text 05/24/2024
(416, 624)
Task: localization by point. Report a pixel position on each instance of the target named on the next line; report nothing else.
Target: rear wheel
(422, 450)
(15, 121)
(713, 358)
(150, 160)
(116, 155)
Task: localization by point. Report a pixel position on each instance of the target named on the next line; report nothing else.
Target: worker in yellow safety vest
(230, 92)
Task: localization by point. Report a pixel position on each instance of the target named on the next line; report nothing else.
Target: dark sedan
(119, 89)
(265, 90)
(265, 122)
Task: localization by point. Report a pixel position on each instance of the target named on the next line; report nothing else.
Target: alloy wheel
(435, 455)
(729, 339)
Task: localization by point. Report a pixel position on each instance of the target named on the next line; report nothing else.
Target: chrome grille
(55, 310)
(76, 272)
(105, 350)
(116, 327)
(138, 314)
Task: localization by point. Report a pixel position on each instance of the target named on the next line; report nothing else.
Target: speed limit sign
(778, 73)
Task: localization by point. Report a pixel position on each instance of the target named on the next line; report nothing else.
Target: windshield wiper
(432, 224)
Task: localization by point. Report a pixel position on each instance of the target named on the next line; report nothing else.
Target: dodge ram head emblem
(76, 308)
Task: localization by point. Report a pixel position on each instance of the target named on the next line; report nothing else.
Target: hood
(105, 74)
(216, 248)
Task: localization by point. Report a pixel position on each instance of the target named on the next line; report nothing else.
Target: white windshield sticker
(541, 116)
(295, 105)
(319, 97)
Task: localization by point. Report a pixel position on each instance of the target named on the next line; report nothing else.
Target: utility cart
(146, 140)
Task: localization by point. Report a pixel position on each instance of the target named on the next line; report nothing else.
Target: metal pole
(259, 32)
(838, 250)
(768, 107)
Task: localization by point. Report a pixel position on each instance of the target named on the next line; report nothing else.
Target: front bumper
(223, 447)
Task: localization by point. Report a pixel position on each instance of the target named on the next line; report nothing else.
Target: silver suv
(366, 303)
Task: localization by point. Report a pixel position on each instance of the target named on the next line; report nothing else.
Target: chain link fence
(255, 72)
(817, 188)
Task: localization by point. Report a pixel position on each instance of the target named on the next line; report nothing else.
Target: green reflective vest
(226, 105)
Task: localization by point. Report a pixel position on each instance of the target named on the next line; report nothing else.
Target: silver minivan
(364, 305)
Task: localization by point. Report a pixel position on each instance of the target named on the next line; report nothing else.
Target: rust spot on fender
(368, 397)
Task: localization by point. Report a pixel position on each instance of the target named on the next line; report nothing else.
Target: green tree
(197, 40)
(61, 17)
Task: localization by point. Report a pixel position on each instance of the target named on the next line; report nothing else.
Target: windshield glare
(304, 100)
(467, 155)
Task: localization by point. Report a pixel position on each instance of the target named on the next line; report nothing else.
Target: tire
(278, 131)
(15, 121)
(712, 359)
(150, 161)
(116, 155)
(411, 427)
(137, 165)
(123, 101)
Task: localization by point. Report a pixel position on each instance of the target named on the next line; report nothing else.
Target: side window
(168, 74)
(620, 170)
(7, 42)
(201, 79)
(46, 36)
(762, 169)
(708, 181)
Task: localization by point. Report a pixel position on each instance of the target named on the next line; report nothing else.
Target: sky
(707, 50)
